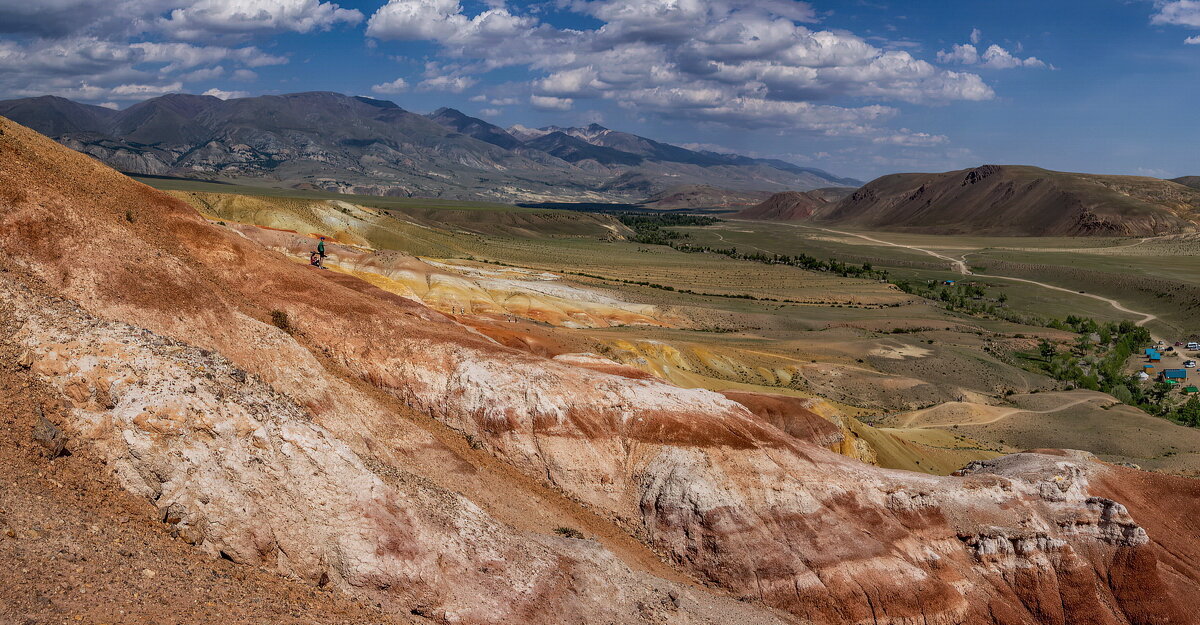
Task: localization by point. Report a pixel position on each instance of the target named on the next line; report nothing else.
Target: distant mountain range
(1019, 200)
(363, 145)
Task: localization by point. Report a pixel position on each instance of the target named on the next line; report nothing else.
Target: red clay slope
(723, 493)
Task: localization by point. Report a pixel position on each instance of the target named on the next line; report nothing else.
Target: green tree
(1159, 391)
(1189, 413)
(1123, 394)
(1047, 349)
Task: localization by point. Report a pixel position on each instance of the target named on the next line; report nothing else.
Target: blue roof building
(1174, 374)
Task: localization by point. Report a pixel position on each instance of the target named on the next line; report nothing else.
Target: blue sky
(860, 88)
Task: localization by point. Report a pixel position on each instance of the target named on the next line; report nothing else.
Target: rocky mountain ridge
(363, 145)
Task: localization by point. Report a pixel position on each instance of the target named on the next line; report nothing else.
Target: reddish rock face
(733, 489)
(792, 415)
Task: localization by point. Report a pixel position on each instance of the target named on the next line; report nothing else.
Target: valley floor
(861, 351)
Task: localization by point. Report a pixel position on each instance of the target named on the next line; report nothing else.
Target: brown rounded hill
(1011, 200)
(795, 205)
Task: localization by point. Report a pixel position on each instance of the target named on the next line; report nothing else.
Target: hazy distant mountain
(703, 196)
(363, 145)
(475, 127)
(658, 152)
(55, 116)
(574, 150)
(1019, 200)
(1188, 181)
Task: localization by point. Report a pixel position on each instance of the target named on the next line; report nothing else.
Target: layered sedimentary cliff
(285, 445)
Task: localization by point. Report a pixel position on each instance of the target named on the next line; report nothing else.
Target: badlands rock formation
(296, 448)
(488, 292)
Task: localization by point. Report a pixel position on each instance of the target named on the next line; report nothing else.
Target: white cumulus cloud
(906, 137)
(551, 103)
(226, 95)
(452, 84)
(396, 86)
(1178, 13)
(209, 18)
(966, 54)
(737, 62)
(994, 57)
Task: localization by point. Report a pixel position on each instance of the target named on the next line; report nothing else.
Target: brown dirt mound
(786, 206)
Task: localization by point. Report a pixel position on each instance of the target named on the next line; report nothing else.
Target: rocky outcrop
(242, 472)
(289, 455)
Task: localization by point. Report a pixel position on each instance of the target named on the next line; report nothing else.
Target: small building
(1153, 355)
(1142, 375)
(1190, 390)
(1174, 374)
(948, 282)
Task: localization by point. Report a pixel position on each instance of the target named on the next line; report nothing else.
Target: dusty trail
(960, 266)
(1145, 317)
(724, 240)
(1003, 415)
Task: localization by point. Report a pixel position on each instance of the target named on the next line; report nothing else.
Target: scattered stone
(50, 436)
(148, 573)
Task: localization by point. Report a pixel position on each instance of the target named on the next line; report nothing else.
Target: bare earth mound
(787, 206)
(1022, 201)
(309, 447)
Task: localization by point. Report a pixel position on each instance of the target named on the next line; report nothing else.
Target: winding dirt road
(960, 265)
(908, 422)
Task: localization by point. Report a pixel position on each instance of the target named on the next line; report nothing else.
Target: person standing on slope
(321, 252)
